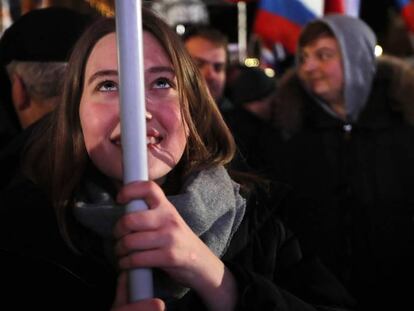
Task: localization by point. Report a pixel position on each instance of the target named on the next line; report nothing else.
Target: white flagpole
(242, 30)
(133, 122)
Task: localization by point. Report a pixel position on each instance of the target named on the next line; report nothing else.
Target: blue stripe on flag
(402, 3)
(293, 10)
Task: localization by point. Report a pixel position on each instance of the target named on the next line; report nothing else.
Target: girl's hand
(121, 299)
(160, 238)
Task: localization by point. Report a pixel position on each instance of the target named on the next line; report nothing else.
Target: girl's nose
(148, 115)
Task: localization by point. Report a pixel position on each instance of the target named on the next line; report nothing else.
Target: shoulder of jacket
(266, 204)
(289, 102)
(398, 76)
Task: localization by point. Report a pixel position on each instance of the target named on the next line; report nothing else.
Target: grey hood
(357, 44)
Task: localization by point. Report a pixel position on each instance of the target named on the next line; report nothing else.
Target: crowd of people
(264, 193)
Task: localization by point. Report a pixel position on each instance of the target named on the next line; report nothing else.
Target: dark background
(380, 15)
(376, 13)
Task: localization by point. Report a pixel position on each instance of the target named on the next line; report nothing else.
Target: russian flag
(407, 12)
(348, 7)
(334, 6)
(281, 20)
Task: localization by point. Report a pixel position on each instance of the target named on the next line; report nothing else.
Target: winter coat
(252, 138)
(39, 269)
(357, 179)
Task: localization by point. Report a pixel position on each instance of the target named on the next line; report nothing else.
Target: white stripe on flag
(315, 6)
(352, 7)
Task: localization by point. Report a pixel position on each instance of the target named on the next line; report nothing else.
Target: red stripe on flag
(272, 28)
(408, 15)
(334, 6)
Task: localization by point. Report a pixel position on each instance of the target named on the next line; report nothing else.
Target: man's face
(211, 60)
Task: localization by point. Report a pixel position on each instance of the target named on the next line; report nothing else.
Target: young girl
(212, 243)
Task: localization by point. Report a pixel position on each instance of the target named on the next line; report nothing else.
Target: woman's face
(99, 110)
(320, 69)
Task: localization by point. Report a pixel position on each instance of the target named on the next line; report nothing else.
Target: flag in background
(407, 12)
(281, 20)
(352, 7)
(334, 6)
(348, 7)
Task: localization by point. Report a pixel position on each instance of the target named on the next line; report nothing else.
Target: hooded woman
(346, 118)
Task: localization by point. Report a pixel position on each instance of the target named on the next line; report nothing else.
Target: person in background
(213, 243)
(34, 52)
(33, 58)
(253, 90)
(208, 48)
(346, 122)
(252, 93)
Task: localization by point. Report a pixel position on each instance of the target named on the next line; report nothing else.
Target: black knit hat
(251, 84)
(42, 35)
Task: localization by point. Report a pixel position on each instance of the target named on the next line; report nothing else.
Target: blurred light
(269, 72)
(180, 29)
(378, 50)
(105, 7)
(176, 12)
(251, 62)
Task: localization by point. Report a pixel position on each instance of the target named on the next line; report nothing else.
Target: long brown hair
(57, 158)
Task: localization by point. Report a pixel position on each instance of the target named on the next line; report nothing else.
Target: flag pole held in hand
(133, 123)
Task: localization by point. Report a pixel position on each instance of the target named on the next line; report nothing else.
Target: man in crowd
(208, 48)
(33, 56)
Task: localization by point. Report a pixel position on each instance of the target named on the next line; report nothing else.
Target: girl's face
(99, 110)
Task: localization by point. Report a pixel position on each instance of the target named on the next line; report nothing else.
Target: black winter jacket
(39, 270)
(357, 180)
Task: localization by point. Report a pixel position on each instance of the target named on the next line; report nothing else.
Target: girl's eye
(162, 83)
(107, 86)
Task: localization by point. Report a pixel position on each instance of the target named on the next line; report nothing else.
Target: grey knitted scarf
(209, 202)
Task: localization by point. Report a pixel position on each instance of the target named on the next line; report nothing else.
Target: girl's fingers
(138, 242)
(154, 304)
(148, 191)
(121, 299)
(145, 220)
(121, 296)
(159, 258)
(137, 221)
